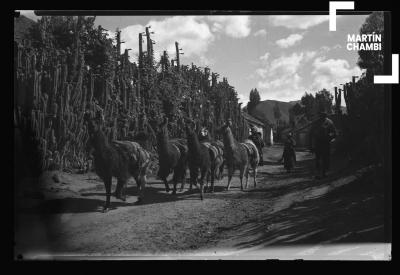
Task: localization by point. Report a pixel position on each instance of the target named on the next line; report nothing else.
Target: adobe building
(264, 128)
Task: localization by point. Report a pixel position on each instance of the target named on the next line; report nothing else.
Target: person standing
(323, 133)
(255, 136)
(289, 153)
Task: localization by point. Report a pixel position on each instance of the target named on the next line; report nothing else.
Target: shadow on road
(350, 214)
(75, 205)
(93, 201)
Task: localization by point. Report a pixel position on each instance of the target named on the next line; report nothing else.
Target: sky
(282, 56)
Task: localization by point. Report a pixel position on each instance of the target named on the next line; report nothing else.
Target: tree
(104, 82)
(297, 109)
(277, 113)
(294, 111)
(372, 60)
(254, 100)
(323, 100)
(308, 101)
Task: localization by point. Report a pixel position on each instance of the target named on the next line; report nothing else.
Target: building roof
(253, 119)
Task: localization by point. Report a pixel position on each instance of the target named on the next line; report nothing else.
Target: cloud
(206, 61)
(236, 26)
(309, 55)
(327, 49)
(285, 65)
(264, 57)
(297, 21)
(285, 89)
(243, 98)
(193, 35)
(289, 41)
(279, 78)
(261, 33)
(332, 72)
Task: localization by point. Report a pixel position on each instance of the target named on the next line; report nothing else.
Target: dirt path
(283, 208)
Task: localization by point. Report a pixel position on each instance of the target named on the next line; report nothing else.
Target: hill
(21, 26)
(265, 110)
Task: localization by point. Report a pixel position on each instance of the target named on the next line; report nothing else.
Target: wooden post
(177, 55)
(347, 98)
(354, 79)
(140, 70)
(140, 53)
(149, 47)
(165, 61)
(336, 100)
(118, 38)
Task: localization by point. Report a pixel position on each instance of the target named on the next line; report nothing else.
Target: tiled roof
(252, 119)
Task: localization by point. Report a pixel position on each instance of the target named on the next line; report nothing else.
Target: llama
(120, 159)
(220, 145)
(216, 149)
(240, 156)
(172, 155)
(199, 158)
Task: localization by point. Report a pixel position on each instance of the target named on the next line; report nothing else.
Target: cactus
(59, 86)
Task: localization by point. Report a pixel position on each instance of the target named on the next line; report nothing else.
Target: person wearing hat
(289, 154)
(255, 136)
(323, 133)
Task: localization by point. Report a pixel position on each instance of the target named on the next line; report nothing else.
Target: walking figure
(323, 133)
(289, 153)
(255, 136)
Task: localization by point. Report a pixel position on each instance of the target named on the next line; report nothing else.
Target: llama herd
(204, 157)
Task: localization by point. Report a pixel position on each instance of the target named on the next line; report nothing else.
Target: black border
(391, 46)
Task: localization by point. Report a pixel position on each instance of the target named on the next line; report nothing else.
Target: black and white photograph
(189, 136)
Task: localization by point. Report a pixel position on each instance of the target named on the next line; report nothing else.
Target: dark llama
(120, 159)
(199, 159)
(172, 155)
(242, 156)
(216, 149)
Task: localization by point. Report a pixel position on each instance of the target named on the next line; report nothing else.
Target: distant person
(255, 136)
(323, 133)
(289, 153)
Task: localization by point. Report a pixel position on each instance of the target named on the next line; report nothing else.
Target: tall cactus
(59, 84)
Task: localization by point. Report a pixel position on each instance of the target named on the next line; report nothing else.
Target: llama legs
(107, 184)
(193, 176)
(254, 176)
(230, 173)
(166, 184)
(204, 174)
(212, 175)
(120, 190)
(183, 178)
(221, 170)
(242, 171)
(218, 170)
(246, 173)
(206, 188)
(175, 180)
(142, 185)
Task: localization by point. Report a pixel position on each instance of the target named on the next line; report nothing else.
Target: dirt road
(65, 218)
